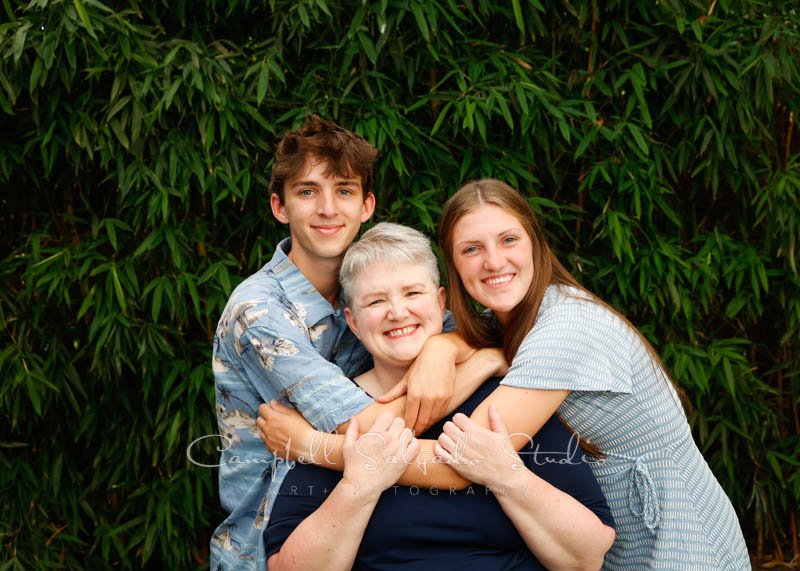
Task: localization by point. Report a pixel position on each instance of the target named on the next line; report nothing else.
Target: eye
(306, 192)
(469, 250)
(374, 302)
(346, 192)
(414, 293)
(510, 239)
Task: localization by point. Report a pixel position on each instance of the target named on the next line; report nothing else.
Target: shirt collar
(298, 290)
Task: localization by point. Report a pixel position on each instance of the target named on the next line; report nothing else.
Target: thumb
(395, 392)
(496, 422)
(351, 434)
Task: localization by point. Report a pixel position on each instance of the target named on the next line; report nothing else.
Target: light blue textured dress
(670, 511)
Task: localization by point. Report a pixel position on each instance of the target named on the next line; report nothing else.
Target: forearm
(470, 374)
(525, 411)
(461, 351)
(329, 538)
(473, 372)
(557, 528)
(367, 416)
(426, 471)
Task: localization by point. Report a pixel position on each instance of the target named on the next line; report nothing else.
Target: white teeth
(499, 280)
(402, 331)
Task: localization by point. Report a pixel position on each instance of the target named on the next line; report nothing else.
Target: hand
(484, 456)
(284, 430)
(431, 384)
(376, 459)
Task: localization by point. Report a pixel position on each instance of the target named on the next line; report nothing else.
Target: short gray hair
(391, 243)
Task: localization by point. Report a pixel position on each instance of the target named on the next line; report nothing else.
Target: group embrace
(364, 426)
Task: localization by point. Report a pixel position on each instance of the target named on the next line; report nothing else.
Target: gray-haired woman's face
(394, 309)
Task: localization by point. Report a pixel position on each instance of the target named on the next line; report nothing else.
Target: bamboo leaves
(659, 146)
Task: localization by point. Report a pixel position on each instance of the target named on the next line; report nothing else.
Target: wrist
(362, 492)
(514, 481)
(441, 346)
(304, 445)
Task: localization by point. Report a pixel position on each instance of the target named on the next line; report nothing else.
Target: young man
(283, 333)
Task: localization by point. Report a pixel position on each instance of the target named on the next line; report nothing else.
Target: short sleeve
(277, 349)
(575, 345)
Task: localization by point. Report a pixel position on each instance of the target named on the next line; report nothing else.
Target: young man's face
(324, 213)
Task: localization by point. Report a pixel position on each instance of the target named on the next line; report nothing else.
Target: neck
(323, 275)
(382, 378)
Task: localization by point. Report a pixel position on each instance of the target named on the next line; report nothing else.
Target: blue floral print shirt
(278, 338)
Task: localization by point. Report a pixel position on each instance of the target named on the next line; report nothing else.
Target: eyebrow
(506, 231)
(343, 182)
(374, 292)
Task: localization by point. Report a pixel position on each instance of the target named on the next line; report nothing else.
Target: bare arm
(288, 435)
(431, 380)
(562, 532)
(329, 537)
(469, 373)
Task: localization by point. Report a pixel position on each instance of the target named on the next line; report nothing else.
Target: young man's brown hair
(347, 154)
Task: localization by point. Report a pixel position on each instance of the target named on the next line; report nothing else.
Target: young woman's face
(394, 310)
(494, 257)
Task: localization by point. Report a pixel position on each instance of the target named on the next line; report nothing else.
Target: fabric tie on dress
(642, 485)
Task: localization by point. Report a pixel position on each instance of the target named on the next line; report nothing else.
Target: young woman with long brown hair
(570, 352)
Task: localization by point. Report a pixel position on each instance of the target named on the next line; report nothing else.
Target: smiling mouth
(498, 280)
(408, 329)
(328, 230)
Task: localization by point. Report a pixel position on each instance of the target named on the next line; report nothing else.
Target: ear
(278, 209)
(351, 321)
(368, 207)
(442, 299)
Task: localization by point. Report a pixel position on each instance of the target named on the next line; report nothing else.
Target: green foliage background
(657, 140)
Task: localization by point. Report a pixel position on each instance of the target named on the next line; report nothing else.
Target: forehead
(485, 220)
(320, 171)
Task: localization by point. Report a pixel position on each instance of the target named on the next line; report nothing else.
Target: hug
(342, 341)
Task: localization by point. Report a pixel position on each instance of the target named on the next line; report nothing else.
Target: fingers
(397, 425)
(439, 451)
(463, 422)
(412, 412)
(438, 411)
(383, 422)
(446, 443)
(395, 392)
(351, 434)
(424, 419)
(278, 406)
(411, 443)
(392, 426)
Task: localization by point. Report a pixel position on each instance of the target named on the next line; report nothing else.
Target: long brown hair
(547, 270)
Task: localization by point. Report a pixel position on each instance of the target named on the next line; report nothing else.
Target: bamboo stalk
(787, 151)
(775, 540)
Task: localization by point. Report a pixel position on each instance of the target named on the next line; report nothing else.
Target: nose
(326, 204)
(397, 309)
(492, 259)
